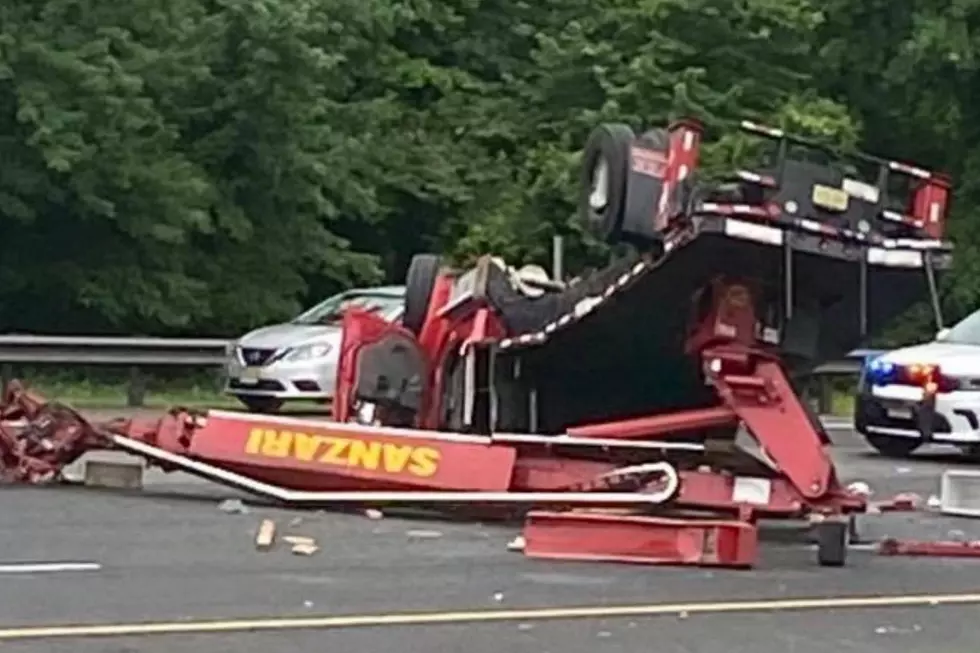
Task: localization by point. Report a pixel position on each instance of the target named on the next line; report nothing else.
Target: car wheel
(893, 447)
(267, 405)
(605, 171)
(419, 282)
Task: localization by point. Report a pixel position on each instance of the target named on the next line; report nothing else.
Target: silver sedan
(298, 359)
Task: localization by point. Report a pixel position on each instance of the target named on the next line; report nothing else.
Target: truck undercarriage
(647, 412)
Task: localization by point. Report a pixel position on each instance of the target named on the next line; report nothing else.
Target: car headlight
(308, 352)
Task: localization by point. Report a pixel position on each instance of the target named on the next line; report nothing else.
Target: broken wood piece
(299, 540)
(266, 535)
(305, 549)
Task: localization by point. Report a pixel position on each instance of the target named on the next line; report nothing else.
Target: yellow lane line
(479, 616)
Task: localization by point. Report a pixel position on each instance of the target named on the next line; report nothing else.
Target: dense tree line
(204, 165)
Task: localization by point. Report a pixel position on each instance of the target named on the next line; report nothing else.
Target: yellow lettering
(277, 444)
(333, 453)
(395, 457)
(392, 458)
(424, 462)
(305, 446)
(254, 443)
(365, 454)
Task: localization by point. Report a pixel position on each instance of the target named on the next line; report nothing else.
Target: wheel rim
(599, 194)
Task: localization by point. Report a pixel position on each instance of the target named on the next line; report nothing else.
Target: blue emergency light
(880, 372)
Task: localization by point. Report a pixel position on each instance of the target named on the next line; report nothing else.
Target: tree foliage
(206, 165)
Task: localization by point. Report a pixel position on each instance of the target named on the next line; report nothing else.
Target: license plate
(899, 413)
(832, 199)
(249, 376)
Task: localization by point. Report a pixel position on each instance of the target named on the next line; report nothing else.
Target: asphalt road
(172, 557)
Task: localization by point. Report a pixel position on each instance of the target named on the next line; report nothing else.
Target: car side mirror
(942, 334)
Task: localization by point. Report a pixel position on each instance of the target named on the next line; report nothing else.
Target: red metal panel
(605, 537)
(718, 492)
(407, 458)
(666, 425)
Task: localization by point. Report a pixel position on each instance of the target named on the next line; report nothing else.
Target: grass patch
(842, 404)
(104, 388)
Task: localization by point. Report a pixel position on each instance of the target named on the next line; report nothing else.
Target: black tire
(893, 447)
(609, 143)
(419, 282)
(265, 405)
(832, 539)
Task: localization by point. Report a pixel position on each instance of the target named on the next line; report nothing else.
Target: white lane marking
(46, 567)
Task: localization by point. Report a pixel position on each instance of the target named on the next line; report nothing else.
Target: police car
(927, 393)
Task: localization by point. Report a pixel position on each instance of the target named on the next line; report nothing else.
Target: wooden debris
(266, 535)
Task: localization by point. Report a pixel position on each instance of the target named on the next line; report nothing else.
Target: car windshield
(966, 331)
(331, 310)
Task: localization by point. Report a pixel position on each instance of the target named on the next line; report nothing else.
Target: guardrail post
(136, 390)
(825, 394)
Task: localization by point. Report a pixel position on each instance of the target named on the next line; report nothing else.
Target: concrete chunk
(124, 475)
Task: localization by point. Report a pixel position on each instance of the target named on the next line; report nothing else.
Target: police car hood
(954, 359)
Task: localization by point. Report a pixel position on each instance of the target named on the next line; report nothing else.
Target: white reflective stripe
(934, 210)
(751, 231)
(762, 129)
(894, 258)
(688, 140)
(909, 170)
(750, 176)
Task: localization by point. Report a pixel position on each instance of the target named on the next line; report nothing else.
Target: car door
(381, 364)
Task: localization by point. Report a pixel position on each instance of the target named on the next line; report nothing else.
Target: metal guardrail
(139, 353)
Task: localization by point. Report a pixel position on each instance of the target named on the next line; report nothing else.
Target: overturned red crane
(661, 386)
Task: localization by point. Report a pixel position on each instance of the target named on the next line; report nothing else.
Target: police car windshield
(966, 331)
(331, 310)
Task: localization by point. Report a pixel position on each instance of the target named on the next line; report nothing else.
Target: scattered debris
(603, 633)
(297, 540)
(266, 535)
(956, 535)
(860, 488)
(295, 521)
(683, 614)
(305, 549)
(233, 507)
(895, 630)
(373, 513)
(934, 502)
(307, 604)
(525, 627)
(424, 534)
(498, 597)
(902, 470)
(904, 502)
(517, 544)
(932, 548)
